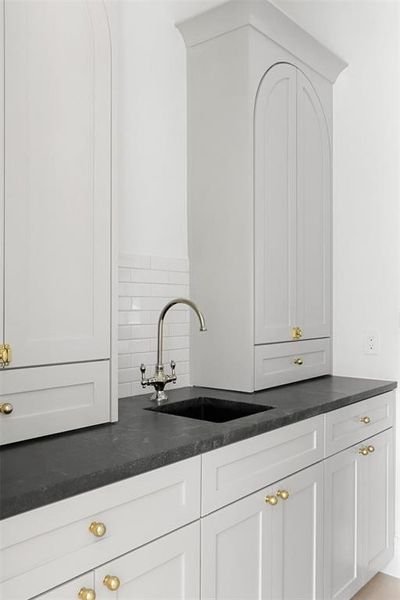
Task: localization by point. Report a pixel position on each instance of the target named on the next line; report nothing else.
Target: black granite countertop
(48, 469)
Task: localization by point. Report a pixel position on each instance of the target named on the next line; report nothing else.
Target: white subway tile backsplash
(169, 264)
(146, 284)
(134, 261)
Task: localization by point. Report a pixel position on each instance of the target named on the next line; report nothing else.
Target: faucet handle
(173, 365)
(143, 381)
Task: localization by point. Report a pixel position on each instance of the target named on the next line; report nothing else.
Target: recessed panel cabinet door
(1, 171)
(379, 498)
(313, 250)
(275, 204)
(57, 187)
(236, 555)
(343, 522)
(167, 569)
(297, 569)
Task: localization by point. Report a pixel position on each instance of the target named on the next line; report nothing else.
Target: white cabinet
(292, 209)
(359, 514)
(343, 522)
(259, 193)
(254, 549)
(379, 498)
(272, 517)
(56, 264)
(167, 569)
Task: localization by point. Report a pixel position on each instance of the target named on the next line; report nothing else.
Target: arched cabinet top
(267, 19)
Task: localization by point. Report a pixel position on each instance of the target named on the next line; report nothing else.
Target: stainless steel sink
(215, 410)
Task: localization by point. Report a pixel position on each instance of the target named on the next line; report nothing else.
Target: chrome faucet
(160, 378)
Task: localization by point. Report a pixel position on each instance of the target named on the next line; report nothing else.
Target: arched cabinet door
(313, 267)
(292, 209)
(57, 181)
(275, 204)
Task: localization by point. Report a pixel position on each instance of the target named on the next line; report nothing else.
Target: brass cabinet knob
(363, 451)
(98, 529)
(284, 494)
(86, 594)
(271, 500)
(297, 333)
(365, 420)
(111, 582)
(6, 408)
(298, 361)
(371, 449)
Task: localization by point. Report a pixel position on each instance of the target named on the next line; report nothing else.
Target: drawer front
(51, 399)
(237, 470)
(69, 590)
(276, 364)
(351, 424)
(46, 546)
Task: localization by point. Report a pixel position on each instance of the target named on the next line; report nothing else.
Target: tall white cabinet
(56, 207)
(259, 193)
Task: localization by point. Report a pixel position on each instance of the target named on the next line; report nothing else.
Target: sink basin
(210, 409)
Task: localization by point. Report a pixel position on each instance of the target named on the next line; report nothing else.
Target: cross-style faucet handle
(173, 365)
(144, 381)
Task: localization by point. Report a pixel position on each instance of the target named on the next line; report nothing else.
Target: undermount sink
(210, 409)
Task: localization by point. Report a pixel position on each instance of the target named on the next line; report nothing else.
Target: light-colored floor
(381, 587)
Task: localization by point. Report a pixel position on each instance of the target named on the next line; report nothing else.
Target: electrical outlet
(371, 342)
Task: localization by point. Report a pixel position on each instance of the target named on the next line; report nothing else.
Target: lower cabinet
(268, 545)
(319, 533)
(359, 514)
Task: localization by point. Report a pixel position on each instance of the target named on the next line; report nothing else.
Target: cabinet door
(313, 229)
(379, 498)
(57, 185)
(297, 543)
(343, 524)
(167, 569)
(275, 205)
(236, 551)
(1, 171)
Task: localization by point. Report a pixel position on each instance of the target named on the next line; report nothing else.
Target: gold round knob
(6, 408)
(363, 451)
(271, 500)
(365, 420)
(86, 594)
(98, 529)
(298, 361)
(284, 494)
(371, 449)
(111, 582)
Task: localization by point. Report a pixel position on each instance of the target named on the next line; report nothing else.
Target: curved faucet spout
(164, 311)
(160, 377)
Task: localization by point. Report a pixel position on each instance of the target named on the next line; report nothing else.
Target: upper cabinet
(56, 238)
(57, 182)
(259, 194)
(292, 204)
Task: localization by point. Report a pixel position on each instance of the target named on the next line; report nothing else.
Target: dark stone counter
(48, 469)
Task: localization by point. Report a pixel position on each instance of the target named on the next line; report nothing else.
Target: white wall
(366, 176)
(152, 126)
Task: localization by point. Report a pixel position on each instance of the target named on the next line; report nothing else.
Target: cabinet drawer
(351, 424)
(56, 398)
(49, 545)
(69, 590)
(277, 364)
(237, 470)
